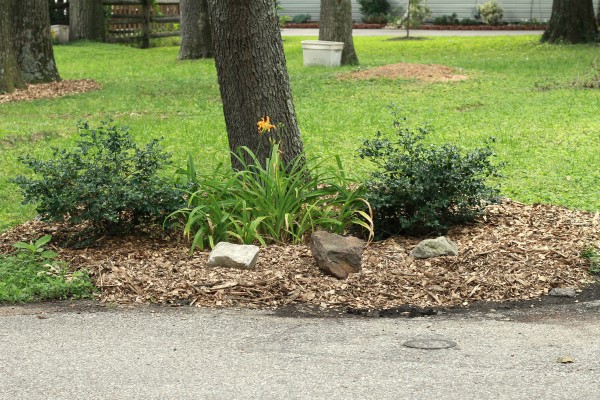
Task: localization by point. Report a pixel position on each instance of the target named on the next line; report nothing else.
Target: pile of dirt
(422, 72)
(50, 90)
(516, 252)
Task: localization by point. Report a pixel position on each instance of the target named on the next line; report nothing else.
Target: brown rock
(337, 255)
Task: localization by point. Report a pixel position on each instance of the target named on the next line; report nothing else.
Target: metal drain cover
(429, 344)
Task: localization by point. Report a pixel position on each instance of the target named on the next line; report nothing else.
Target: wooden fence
(129, 20)
(140, 20)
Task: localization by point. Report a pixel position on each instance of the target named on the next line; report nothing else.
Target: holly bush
(106, 181)
(423, 188)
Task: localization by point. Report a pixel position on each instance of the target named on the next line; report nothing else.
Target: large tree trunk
(86, 20)
(10, 76)
(336, 26)
(253, 76)
(196, 38)
(572, 21)
(31, 40)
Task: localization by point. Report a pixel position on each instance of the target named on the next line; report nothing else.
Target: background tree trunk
(598, 15)
(10, 77)
(336, 26)
(86, 20)
(571, 21)
(196, 38)
(31, 40)
(253, 76)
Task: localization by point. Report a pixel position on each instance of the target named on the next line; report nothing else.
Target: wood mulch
(421, 72)
(50, 90)
(516, 252)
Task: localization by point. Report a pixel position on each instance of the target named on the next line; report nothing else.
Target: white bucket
(321, 52)
(60, 33)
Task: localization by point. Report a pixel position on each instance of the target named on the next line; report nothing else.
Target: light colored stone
(230, 255)
(563, 292)
(440, 246)
(337, 255)
(566, 359)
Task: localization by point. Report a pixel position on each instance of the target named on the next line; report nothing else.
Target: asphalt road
(187, 353)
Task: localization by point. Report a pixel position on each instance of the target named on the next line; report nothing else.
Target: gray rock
(440, 246)
(337, 255)
(562, 292)
(229, 255)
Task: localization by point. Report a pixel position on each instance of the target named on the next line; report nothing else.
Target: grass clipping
(515, 252)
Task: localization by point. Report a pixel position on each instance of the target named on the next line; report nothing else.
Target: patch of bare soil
(422, 72)
(51, 90)
(516, 252)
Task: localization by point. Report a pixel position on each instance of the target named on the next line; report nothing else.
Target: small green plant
(491, 12)
(423, 188)
(269, 203)
(106, 181)
(33, 275)
(301, 18)
(418, 11)
(284, 19)
(37, 249)
(592, 254)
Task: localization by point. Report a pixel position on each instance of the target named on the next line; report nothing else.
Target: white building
(514, 10)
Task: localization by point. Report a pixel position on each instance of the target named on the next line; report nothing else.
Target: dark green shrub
(469, 21)
(106, 181)
(301, 18)
(377, 19)
(421, 188)
(371, 8)
(446, 20)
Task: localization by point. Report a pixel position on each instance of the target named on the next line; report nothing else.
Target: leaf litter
(515, 252)
(50, 90)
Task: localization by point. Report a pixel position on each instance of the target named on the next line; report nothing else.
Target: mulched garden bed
(50, 90)
(516, 252)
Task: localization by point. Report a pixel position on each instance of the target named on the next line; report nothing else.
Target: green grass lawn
(523, 93)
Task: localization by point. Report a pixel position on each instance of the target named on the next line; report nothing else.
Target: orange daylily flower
(265, 125)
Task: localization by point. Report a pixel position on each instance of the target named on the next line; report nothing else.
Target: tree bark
(253, 76)
(86, 20)
(10, 77)
(31, 41)
(196, 38)
(571, 21)
(336, 26)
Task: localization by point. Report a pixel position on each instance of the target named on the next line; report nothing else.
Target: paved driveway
(188, 353)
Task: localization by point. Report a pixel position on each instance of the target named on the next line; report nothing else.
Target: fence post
(146, 8)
